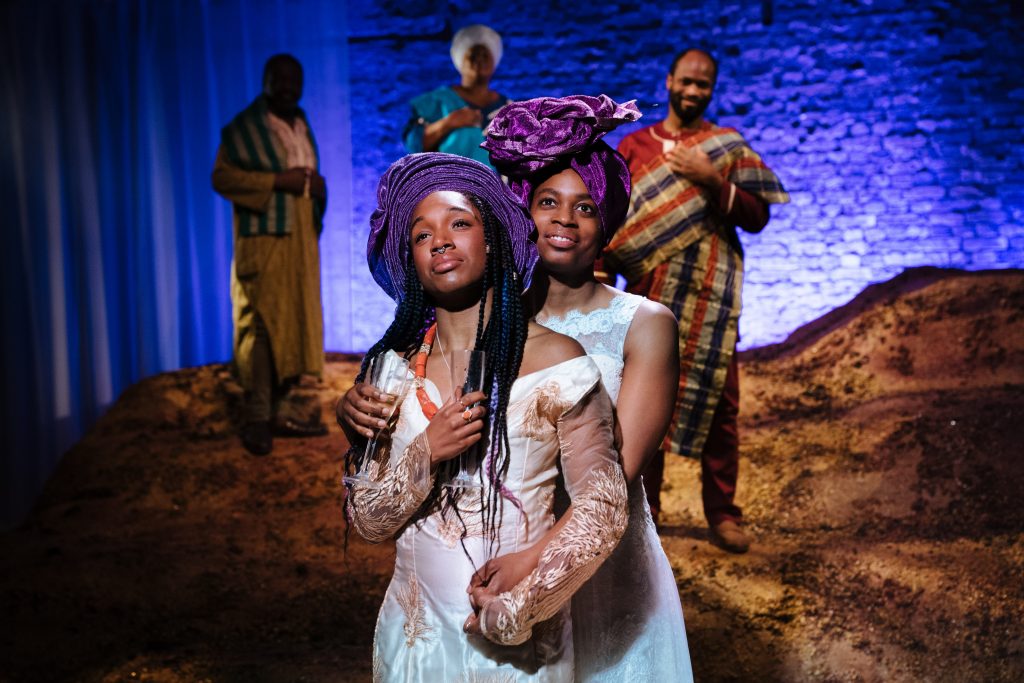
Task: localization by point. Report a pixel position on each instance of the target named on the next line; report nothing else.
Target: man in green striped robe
(267, 167)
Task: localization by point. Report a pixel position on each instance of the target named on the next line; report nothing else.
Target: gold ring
(467, 414)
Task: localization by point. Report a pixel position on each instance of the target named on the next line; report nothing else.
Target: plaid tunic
(678, 242)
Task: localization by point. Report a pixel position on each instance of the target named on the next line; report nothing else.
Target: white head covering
(477, 34)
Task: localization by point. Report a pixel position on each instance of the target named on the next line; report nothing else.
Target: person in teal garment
(452, 118)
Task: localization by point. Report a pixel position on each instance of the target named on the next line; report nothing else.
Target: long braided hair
(501, 337)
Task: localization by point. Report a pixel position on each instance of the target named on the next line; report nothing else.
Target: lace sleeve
(378, 513)
(597, 487)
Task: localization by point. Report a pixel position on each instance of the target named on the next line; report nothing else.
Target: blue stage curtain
(116, 252)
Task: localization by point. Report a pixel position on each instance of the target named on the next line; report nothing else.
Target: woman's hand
(456, 427)
(435, 133)
(363, 409)
(472, 623)
(466, 117)
(497, 576)
(503, 573)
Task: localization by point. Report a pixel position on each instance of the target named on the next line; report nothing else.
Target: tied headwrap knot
(529, 141)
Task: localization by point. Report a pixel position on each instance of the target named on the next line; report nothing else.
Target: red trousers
(719, 461)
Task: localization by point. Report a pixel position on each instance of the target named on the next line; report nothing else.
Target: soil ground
(881, 481)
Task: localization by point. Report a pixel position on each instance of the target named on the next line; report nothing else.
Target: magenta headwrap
(527, 138)
(407, 182)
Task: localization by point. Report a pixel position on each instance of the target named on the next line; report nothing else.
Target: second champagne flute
(467, 370)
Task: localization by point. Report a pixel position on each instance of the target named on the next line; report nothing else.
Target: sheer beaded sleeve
(379, 513)
(597, 487)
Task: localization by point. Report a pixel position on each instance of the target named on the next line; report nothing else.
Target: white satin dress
(559, 421)
(627, 619)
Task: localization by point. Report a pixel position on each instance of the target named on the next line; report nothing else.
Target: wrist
(432, 460)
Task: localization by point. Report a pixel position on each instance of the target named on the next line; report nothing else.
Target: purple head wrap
(527, 138)
(407, 182)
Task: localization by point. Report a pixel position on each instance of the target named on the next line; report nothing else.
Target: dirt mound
(881, 481)
(160, 550)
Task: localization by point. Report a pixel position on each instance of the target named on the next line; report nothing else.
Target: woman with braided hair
(628, 621)
(449, 243)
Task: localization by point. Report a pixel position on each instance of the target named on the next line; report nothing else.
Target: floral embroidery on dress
(411, 602)
(418, 617)
(598, 520)
(602, 332)
(603, 504)
(451, 528)
(378, 513)
(544, 405)
(547, 504)
(576, 323)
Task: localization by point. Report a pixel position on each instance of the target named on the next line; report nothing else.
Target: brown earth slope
(882, 480)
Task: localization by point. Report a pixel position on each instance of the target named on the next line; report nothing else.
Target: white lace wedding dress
(627, 619)
(559, 419)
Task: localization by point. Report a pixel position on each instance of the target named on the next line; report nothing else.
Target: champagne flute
(388, 373)
(467, 371)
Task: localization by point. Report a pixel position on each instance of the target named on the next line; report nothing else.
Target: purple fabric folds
(407, 182)
(528, 139)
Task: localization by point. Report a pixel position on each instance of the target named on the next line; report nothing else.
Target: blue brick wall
(896, 125)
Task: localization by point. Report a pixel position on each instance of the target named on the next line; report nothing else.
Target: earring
(487, 249)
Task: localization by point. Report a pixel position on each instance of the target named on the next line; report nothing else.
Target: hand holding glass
(388, 373)
(467, 370)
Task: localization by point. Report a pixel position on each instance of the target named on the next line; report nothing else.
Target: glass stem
(371, 447)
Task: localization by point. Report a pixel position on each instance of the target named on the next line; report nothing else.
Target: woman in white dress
(628, 620)
(448, 243)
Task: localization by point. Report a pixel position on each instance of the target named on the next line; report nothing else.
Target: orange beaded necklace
(420, 371)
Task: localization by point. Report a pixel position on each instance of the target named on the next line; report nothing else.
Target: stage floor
(881, 481)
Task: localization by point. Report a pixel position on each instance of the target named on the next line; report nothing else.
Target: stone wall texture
(895, 125)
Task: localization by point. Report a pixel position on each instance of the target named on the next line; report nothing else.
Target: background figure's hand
(467, 117)
(363, 409)
(292, 181)
(317, 186)
(450, 432)
(695, 165)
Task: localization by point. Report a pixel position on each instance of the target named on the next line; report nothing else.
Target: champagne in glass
(388, 373)
(467, 370)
